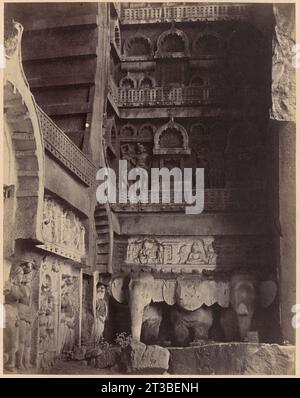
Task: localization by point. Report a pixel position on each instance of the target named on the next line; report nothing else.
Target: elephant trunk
(140, 295)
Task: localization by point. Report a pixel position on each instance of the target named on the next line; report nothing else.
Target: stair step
(102, 258)
(102, 240)
(101, 222)
(102, 230)
(103, 248)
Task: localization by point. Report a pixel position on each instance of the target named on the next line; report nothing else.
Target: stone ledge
(233, 359)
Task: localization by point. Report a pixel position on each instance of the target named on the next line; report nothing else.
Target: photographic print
(149, 189)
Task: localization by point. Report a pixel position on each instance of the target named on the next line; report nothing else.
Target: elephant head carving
(141, 290)
(247, 295)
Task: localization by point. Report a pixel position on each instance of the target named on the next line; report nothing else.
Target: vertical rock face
(233, 358)
(283, 71)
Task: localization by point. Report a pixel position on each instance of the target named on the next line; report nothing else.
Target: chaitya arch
(138, 47)
(172, 43)
(22, 131)
(171, 138)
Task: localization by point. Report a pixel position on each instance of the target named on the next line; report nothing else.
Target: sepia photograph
(149, 189)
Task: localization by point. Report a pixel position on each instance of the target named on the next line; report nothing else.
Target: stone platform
(233, 359)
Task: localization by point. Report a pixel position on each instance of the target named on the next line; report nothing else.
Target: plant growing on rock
(123, 339)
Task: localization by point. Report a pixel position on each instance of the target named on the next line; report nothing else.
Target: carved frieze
(181, 255)
(62, 230)
(171, 252)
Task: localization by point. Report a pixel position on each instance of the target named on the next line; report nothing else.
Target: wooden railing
(154, 14)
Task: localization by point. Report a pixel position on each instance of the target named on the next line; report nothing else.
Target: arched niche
(138, 47)
(22, 131)
(127, 131)
(172, 43)
(171, 139)
(207, 44)
(128, 83)
(146, 132)
(147, 82)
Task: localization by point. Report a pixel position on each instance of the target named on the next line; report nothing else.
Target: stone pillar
(283, 134)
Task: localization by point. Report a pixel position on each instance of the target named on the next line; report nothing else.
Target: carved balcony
(182, 13)
(176, 96)
(65, 151)
(215, 200)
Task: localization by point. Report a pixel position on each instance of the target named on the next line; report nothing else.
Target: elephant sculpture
(189, 297)
(246, 296)
(191, 326)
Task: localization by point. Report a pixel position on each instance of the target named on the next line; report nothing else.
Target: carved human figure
(50, 321)
(12, 293)
(246, 296)
(82, 239)
(67, 230)
(150, 252)
(43, 323)
(191, 326)
(25, 319)
(56, 223)
(67, 325)
(101, 314)
(47, 218)
(142, 158)
(197, 254)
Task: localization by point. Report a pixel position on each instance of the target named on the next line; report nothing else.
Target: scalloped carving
(128, 83)
(172, 43)
(138, 46)
(128, 131)
(207, 44)
(171, 139)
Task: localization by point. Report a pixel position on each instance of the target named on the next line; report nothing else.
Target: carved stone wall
(192, 254)
(62, 230)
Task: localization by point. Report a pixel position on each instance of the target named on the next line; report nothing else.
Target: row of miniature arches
(175, 41)
(216, 131)
(128, 82)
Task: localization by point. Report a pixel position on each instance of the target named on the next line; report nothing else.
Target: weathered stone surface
(93, 352)
(145, 359)
(283, 71)
(108, 358)
(233, 358)
(79, 353)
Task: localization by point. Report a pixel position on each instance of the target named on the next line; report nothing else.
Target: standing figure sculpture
(13, 293)
(25, 318)
(67, 325)
(101, 314)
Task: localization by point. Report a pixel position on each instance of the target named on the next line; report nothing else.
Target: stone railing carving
(174, 96)
(65, 151)
(215, 199)
(170, 96)
(185, 13)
